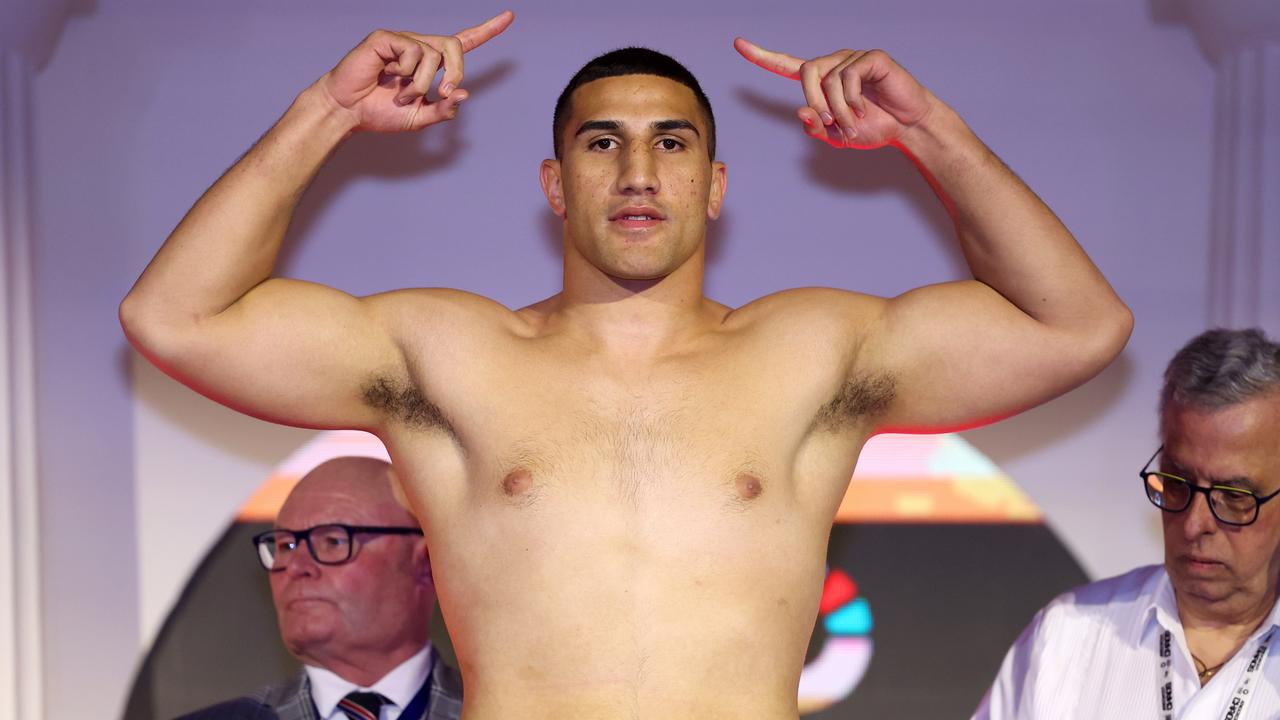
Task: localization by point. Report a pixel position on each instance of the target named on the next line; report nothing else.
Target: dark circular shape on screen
(948, 601)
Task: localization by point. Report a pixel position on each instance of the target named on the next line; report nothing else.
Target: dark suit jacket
(292, 700)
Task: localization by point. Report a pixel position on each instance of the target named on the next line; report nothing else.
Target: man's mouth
(1201, 562)
(636, 218)
(305, 600)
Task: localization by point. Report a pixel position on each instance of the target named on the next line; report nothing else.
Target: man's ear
(549, 174)
(397, 490)
(422, 563)
(719, 183)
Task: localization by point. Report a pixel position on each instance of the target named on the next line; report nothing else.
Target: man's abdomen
(684, 604)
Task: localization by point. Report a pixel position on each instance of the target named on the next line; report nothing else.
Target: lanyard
(1236, 707)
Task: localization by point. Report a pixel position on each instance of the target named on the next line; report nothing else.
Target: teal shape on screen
(957, 457)
(852, 619)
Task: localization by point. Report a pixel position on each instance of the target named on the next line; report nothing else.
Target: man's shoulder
(416, 300)
(440, 328)
(808, 313)
(445, 678)
(443, 306)
(278, 701)
(814, 299)
(446, 690)
(1125, 596)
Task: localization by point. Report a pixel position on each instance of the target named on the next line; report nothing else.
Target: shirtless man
(628, 487)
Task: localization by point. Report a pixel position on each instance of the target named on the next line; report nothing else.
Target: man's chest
(724, 422)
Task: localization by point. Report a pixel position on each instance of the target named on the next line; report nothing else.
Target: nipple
(517, 483)
(748, 486)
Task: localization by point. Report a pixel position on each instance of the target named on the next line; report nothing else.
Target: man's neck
(633, 317)
(1217, 629)
(366, 669)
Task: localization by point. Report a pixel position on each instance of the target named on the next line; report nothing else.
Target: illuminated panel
(931, 479)
(934, 479)
(265, 502)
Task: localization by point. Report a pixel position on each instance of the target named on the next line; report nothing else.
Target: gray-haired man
(1195, 637)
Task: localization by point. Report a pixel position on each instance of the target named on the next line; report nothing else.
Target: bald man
(351, 581)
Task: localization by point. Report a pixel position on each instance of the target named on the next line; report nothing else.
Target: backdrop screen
(937, 561)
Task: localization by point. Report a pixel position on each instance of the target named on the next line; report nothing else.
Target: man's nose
(1199, 519)
(639, 172)
(300, 562)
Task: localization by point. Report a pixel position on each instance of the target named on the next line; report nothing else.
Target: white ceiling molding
(21, 661)
(1242, 39)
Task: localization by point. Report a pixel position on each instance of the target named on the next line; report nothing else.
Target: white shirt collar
(399, 686)
(1273, 620)
(1163, 606)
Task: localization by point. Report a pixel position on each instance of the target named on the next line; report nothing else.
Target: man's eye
(670, 144)
(1235, 498)
(604, 144)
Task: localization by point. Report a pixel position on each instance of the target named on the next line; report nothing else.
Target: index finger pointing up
(775, 62)
(478, 35)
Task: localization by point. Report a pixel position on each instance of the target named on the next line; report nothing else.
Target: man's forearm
(1012, 241)
(229, 240)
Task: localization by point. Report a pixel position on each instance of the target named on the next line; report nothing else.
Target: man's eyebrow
(1185, 473)
(1242, 483)
(668, 125)
(590, 125)
(614, 126)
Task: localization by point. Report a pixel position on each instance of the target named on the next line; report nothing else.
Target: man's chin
(633, 278)
(640, 270)
(307, 623)
(301, 638)
(640, 265)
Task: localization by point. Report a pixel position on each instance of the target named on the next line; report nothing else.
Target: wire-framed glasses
(329, 544)
(1230, 505)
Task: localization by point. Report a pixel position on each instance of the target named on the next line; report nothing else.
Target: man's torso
(630, 537)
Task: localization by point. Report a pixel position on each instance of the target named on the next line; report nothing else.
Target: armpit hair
(859, 398)
(404, 402)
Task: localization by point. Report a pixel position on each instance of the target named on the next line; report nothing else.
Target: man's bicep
(288, 351)
(961, 355)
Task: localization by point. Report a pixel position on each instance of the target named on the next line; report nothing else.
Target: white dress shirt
(399, 686)
(1094, 652)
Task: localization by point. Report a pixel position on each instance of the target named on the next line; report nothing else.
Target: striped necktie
(362, 705)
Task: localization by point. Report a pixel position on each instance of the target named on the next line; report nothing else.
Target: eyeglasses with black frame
(330, 544)
(1230, 505)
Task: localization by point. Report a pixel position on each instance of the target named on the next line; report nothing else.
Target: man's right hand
(207, 309)
(385, 79)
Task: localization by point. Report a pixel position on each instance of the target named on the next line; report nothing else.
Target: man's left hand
(854, 98)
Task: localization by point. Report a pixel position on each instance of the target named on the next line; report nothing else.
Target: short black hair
(630, 61)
